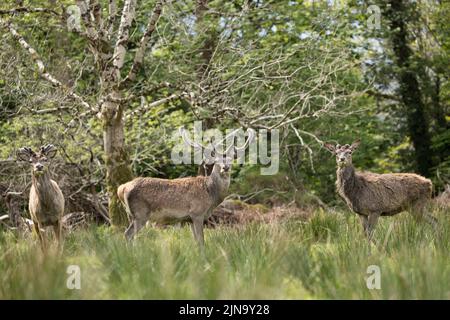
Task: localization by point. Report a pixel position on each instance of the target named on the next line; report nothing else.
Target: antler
(25, 153)
(251, 136)
(27, 150)
(188, 141)
(47, 148)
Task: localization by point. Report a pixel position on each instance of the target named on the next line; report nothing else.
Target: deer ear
(24, 154)
(355, 144)
(330, 147)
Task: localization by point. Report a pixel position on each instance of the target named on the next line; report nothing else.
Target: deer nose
(341, 159)
(39, 167)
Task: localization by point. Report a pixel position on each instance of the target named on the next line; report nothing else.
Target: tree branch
(96, 9)
(112, 13)
(123, 35)
(85, 9)
(139, 56)
(27, 10)
(41, 67)
(144, 108)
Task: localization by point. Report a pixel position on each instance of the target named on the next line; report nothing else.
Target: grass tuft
(326, 257)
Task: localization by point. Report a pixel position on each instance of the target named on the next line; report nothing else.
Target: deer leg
(364, 222)
(371, 223)
(197, 230)
(134, 228)
(129, 233)
(58, 230)
(40, 236)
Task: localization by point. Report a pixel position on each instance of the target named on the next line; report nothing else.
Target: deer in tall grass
(46, 203)
(182, 199)
(372, 195)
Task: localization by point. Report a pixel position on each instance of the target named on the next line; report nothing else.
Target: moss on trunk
(119, 174)
(118, 170)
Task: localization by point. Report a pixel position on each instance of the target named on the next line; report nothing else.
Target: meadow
(325, 257)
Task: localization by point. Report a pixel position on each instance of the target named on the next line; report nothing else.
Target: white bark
(112, 12)
(91, 31)
(123, 35)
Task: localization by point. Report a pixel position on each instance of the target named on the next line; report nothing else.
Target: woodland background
(109, 92)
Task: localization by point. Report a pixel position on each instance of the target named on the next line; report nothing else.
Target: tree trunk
(206, 51)
(417, 120)
(118, 170)
(440, 123)
(418, 125)
(439, 114)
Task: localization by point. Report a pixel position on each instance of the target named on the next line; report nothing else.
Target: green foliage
(317, 38)
(150, 139)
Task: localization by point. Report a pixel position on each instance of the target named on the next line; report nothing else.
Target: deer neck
(42, 184)
(218, 184)
(346, 180)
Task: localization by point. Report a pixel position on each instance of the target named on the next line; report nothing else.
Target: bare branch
(96, 10)
(51, 110)
(304, 145)
(154, 104)
(112, 13)
(42, 69)
(85, 9)
(139, 56)
(27, 10)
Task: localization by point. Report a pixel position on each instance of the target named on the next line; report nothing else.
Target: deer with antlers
(46, 203)
(183, 199)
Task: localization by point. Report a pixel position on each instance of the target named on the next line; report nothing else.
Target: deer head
(212, 158)
(343, 153)
(40, 160)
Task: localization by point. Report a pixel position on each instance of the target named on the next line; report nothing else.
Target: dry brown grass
(232, 212)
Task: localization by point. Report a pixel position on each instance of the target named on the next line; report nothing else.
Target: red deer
(372, 195)
(46, 202)
(183, 199)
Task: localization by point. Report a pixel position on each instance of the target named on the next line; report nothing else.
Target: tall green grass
(323, 258)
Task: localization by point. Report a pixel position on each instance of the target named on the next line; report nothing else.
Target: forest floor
(323, 257)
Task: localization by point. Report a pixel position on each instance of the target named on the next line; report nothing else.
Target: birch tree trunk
(118, 170)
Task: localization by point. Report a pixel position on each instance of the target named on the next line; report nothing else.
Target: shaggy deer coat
(386, 194)
(372, 195)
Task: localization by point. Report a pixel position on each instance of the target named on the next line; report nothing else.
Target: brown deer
(372, 195)
(46, 203)
(183, 199)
